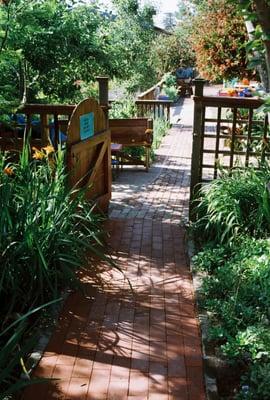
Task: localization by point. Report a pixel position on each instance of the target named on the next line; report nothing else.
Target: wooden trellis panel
(226, 134)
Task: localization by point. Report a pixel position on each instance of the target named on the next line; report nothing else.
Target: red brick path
(112, 343)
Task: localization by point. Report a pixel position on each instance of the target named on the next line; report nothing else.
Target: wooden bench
(130, 133)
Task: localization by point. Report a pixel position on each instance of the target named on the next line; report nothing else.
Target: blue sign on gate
(87, 126)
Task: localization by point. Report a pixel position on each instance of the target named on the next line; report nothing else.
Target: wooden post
(103, 82)
(196, 147)
(45, 132)
(150, 126)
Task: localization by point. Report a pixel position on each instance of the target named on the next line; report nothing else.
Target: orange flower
(48, 150)
(38, 155)
(9, 171)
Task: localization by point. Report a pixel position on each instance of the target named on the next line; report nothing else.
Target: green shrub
(169, 79)
(236, 294)
(237, 287)
(125, 108)
(234, 224)
(171, 92)
(256, 383)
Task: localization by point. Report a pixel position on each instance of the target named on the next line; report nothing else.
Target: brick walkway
(112, 343)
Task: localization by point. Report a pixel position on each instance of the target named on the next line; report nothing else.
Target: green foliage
(236, 294)
(53, 46)
(161, 127)
(219, 38)
(169, 87)
(257, 17)
(14, 347)
(171, 52)
(169, 79)
(131, 36)
(234, 221)
(233, 205)
(124, 108)
(256, 384)
(52, 50)
(171, 92)
(46, 230)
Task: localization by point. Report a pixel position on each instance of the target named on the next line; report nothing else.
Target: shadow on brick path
(112, 342)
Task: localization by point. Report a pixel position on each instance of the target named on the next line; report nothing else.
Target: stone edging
(210, 362)
(44, 338)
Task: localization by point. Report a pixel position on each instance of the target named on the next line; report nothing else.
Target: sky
(162, 6)
(165, 6)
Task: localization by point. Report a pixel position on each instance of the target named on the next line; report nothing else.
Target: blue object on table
(21, 121)
(185, 73)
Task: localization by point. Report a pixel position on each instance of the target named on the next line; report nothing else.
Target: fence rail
(149, 94)
(154, 108)
(51, 118)
(227, 132)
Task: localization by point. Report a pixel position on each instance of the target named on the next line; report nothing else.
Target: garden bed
(233, 224)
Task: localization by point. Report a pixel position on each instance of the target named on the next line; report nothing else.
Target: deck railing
(48, 118)
(154, 108)
(149, 94)
(227, 132)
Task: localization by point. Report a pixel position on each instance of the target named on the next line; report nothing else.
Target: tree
(56, 44)
(219, 40)
(131, 36)
(173, 51)
(48, 46)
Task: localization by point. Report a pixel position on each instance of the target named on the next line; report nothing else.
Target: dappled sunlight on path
(112, 342)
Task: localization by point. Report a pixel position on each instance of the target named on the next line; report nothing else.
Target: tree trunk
(263, 14)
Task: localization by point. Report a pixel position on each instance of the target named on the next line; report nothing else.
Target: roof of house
(161, 30)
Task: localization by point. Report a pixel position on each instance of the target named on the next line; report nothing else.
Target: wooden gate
(89, 152)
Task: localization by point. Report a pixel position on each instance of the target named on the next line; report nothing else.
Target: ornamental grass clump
(46, 230)
(236, 203)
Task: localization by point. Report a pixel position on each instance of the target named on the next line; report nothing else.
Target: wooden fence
(227, 132)
(154, 108)
(149, 94)
(51, 119)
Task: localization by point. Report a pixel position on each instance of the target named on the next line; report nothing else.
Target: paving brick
(195, 383)
(82, 368)
(138, 384)
(77, 389)
(115, 343)
(98, 385)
